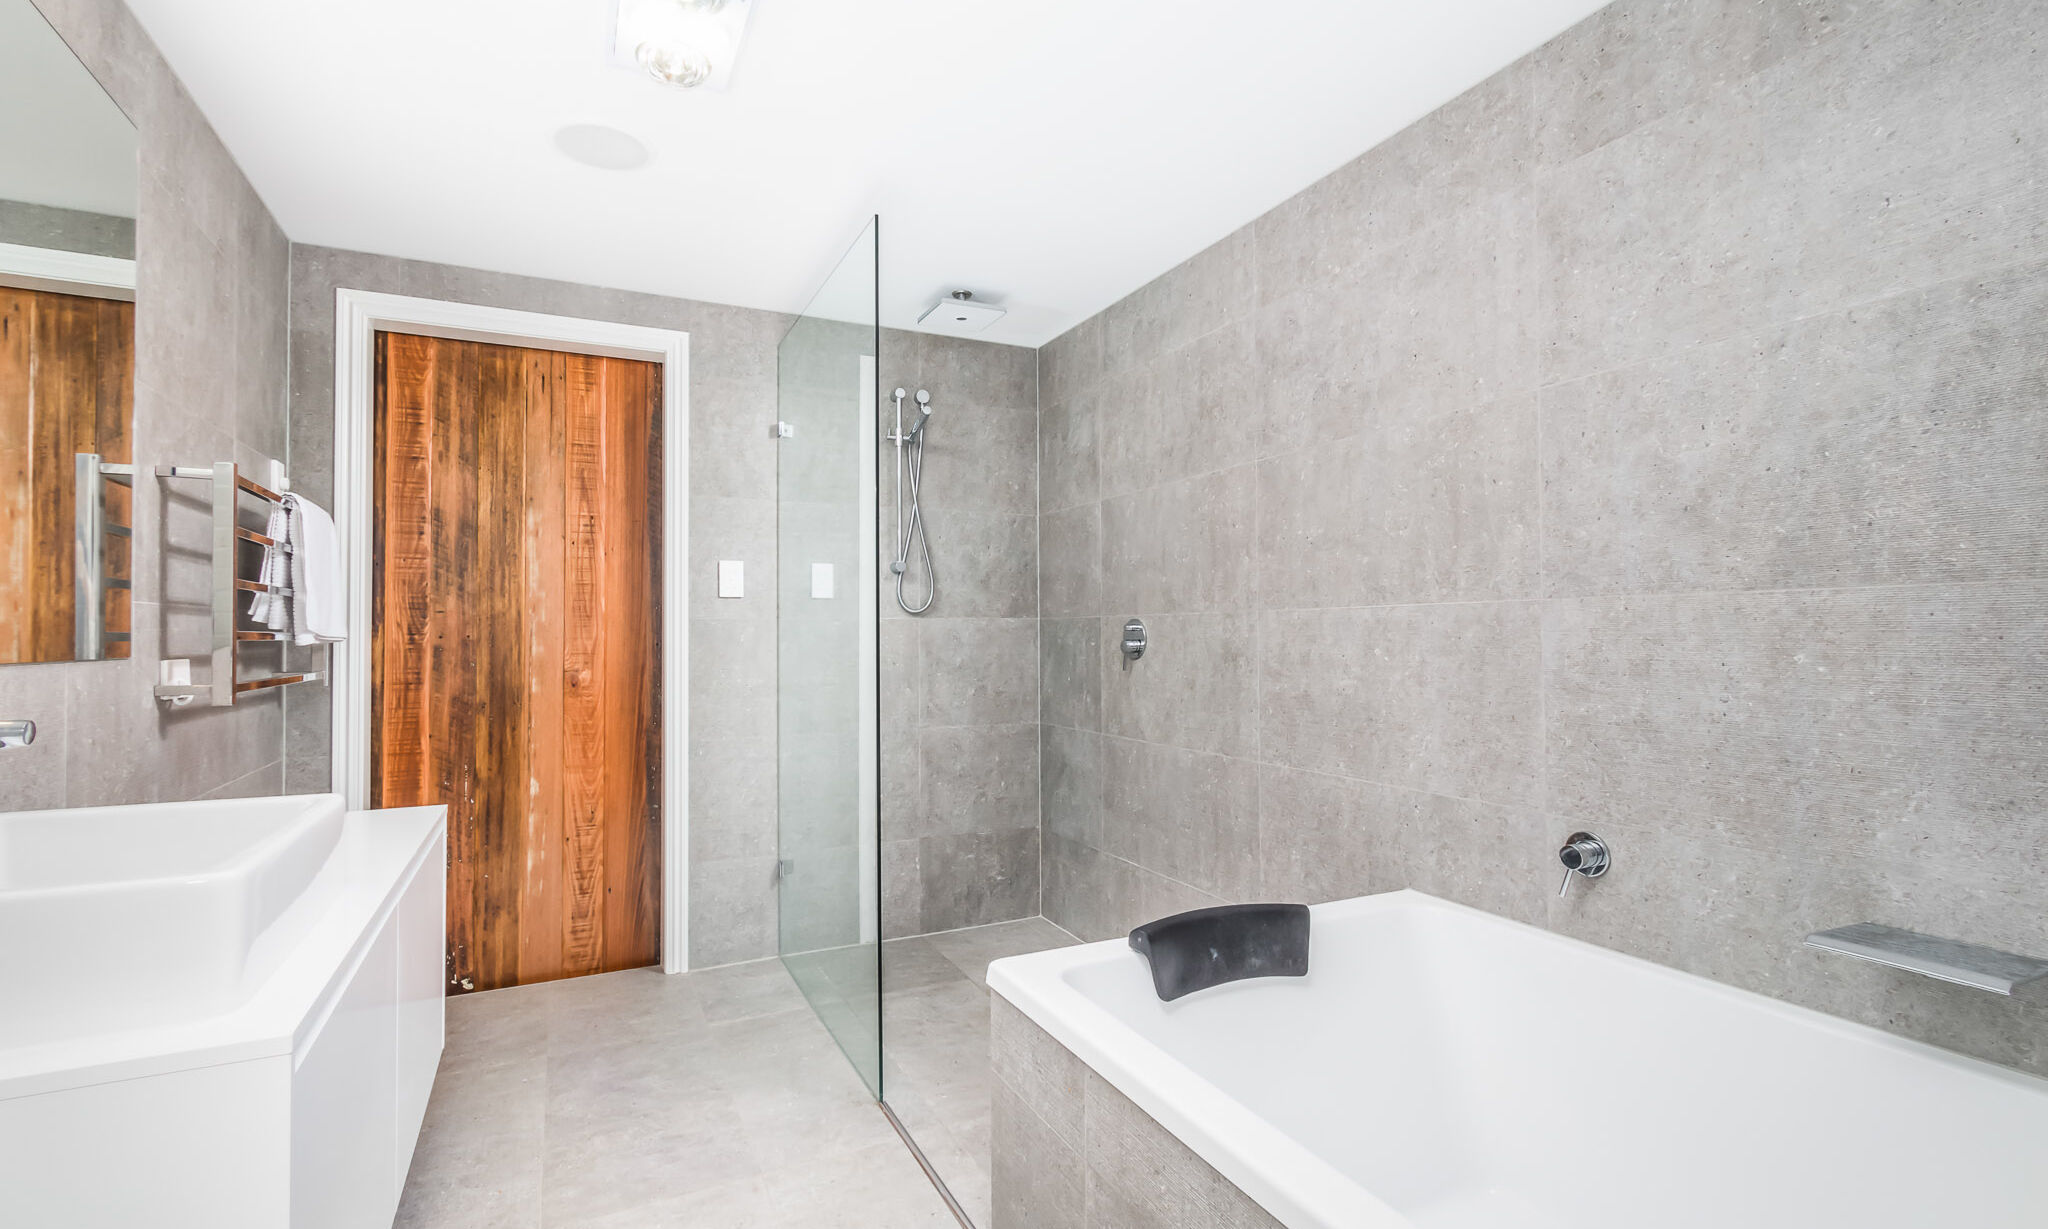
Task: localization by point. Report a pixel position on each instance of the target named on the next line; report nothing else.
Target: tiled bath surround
(1070, 1152)
(210, 363)
(1650, 441)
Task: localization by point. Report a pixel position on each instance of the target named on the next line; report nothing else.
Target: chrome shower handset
(910, 534)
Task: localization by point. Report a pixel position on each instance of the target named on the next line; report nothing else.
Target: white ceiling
(64, 142)
(1052, 155)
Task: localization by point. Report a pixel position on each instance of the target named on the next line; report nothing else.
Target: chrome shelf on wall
(226, 681)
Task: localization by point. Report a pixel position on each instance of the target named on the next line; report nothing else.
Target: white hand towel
(266, 607)
(318, 613)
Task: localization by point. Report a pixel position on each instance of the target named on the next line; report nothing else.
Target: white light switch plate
(821, 580)
(732, 578)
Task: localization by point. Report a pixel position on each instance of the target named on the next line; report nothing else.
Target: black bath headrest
(1208, 947)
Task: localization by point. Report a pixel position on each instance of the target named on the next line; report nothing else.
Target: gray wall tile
(1180, 546)
(978, 778)
(979, 671)
(1444, 698)
(1070, 784)
(1188, 815)
(1442, 507)
(1068, 473)
(1648, 440)
(1070, 579)
(1070, 672)
(1196, 686)
(210, 369)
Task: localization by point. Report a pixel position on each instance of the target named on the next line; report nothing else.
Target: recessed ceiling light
(605, 148)
(684, 43)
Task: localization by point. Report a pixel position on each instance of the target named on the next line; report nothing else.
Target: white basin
(114, 918)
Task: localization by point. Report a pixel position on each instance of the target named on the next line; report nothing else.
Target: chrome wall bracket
(16, 732)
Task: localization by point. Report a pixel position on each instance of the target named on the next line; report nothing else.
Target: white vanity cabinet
(296, 1108)
(362, 1074)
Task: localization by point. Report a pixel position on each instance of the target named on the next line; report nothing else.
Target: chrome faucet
(16, 732)
(1583, 854)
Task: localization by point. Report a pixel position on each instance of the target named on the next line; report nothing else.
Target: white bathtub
(1441, 1067)
(125, 917)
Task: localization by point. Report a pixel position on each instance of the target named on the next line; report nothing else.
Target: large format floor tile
(935, 1041)
(636, 1099)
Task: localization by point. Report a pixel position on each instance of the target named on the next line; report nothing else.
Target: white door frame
(358, 316)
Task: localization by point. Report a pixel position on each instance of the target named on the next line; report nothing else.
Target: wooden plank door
(517, 608)
(67, 385)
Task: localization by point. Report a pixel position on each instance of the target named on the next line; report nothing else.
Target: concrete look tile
(973, 950)
(1441, 699)
(732, 678)
(736, 529)
(979, 457)
(1319, 357)
(1440, 509)
(1070, 783)
(732, 798)
(1809, 726)
(1038, 1178)
(1067, 454)
(1196, 297)
(987, 564)
(1196, 686)
(975, 878)
(732, 910)
(1891, 443)
(1183, 546)
(1909, 153)
(902, 883)
(1048, 1081)
(1071, 362)
(1140, 1176)
(980, 372)
(1475, 146)
(1184, 814)
(979, 671)
(1070, 571)
(1181, 414)
(875, 1186)
(1659, 239)
(1640, 60)
(979, 778)
(1070, 672)
(914, 964)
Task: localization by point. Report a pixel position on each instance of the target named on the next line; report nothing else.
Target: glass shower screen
(827, 560)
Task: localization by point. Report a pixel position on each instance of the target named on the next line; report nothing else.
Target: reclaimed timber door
(516, 611)
(67, 385)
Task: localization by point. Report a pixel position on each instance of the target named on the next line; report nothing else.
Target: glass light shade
(673, 63)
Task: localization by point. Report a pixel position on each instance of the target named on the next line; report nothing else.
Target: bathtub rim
(1284, 1177)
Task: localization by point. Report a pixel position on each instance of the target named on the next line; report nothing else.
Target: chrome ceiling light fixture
(683, 43)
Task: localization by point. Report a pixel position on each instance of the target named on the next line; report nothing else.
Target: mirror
(67, 350)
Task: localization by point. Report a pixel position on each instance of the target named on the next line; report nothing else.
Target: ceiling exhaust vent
(958, 315)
